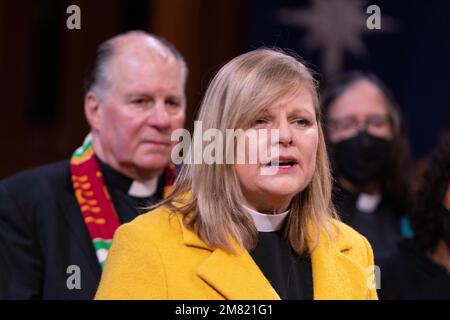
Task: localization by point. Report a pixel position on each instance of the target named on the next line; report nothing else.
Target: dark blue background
(414, 61)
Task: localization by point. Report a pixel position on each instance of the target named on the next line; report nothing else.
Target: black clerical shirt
(127, 207)
(43, 234)
(289, 274)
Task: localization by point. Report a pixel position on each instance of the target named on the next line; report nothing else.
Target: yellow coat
(156, 257)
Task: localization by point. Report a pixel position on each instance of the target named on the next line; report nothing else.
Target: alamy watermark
(74, 279)
(73, 22)
(236, 146)
(373, 277)
(374, 20)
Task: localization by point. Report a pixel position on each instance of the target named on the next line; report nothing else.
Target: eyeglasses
(372, 123)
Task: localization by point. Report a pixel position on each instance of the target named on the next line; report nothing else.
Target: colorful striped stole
(94, 200)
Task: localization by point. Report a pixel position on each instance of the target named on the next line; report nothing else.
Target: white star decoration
(333, 27)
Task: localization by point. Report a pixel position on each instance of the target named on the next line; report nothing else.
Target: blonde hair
(238, 93)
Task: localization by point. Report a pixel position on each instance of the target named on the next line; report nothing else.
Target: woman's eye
(302, 122)
(260, 121)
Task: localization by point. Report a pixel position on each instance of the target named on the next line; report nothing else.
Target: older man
(57, 221)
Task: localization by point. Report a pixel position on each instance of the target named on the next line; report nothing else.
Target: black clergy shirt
(43, 235)
(289, 274)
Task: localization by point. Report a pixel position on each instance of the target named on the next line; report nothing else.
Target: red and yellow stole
(93, 198)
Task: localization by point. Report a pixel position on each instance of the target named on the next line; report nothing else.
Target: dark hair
(425, 219)
(95, 72)
(396, 182)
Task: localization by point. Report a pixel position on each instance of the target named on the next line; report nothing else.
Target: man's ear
(92, 110)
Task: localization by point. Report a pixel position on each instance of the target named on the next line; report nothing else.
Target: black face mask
(361, 158)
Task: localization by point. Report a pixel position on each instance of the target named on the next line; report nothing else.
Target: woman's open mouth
(282, 164)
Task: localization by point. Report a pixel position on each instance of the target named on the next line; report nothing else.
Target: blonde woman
(235, 231)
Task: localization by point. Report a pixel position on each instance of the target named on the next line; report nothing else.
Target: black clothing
(289, 274)
(126, 205)
(42, 232)
(381, 227)
(408, 274)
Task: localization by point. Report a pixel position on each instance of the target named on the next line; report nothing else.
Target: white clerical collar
(367, 203)
(143, 189)
(267, 222)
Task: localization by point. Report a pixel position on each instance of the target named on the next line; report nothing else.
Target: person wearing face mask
(369, 154)
(420, 268)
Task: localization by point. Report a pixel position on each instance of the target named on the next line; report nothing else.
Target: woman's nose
(285, 134)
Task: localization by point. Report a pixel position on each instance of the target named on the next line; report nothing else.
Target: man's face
(144, 104)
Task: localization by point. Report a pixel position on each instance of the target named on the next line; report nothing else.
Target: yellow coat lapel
(236, 276)
(335, 275)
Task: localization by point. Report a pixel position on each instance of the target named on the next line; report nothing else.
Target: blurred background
(42, 62)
